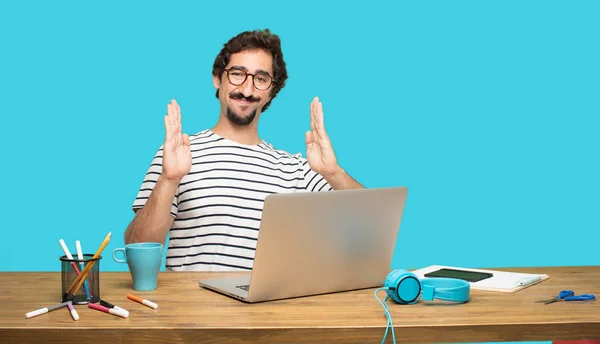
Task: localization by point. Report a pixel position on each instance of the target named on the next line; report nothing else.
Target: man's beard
(239, 120)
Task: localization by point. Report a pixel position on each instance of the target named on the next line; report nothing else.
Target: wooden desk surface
(188, 313)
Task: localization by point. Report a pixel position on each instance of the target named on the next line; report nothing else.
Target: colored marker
(112, 311)
(80, 257)
(78, 282)
(69, 256)
(110, 305)
(142, 301)
(45, 310)
(73, 311)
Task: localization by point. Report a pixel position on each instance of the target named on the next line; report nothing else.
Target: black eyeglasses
(262, 82)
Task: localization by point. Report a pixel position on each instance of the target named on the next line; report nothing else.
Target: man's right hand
(177, 155)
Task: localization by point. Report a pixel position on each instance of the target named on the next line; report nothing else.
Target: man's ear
(216, 82)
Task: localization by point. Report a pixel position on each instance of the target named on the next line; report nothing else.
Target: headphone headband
(448, 289)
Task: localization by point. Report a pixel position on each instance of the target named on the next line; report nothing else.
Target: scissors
(569, 295)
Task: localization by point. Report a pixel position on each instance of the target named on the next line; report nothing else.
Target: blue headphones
(405, 288)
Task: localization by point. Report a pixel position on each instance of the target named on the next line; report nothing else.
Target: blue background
(488, 111)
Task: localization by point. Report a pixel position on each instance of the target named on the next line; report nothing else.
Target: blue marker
(80, 257)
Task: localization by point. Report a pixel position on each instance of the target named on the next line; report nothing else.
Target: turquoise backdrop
(488, 111)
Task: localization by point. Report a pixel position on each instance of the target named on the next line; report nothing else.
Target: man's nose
(247, 88)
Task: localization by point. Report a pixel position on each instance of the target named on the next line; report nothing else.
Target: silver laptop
(312, 243)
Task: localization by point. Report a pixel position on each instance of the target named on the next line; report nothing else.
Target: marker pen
(110, 305)
(142, 301)
(69, 256)
(73, 311)
(82, 266)
(45, 310)
(112, 311)
(528, 281)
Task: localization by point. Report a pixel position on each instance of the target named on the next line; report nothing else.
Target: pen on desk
(45, 310)
(74, 313)
(69, 256)
(528, 281)
(112, 311)
(110, 305)
(80, 257)
(142, 301)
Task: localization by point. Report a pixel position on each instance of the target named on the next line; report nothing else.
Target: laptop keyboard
(243, 287)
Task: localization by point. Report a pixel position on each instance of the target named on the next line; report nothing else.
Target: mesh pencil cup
(90, 290)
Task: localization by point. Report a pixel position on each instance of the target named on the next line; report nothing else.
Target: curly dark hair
(251, 40)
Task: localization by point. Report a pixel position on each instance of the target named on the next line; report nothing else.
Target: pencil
(78, 282)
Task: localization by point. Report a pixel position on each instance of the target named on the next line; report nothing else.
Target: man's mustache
(238, 95)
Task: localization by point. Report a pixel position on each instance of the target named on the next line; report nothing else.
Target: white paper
(500, 281)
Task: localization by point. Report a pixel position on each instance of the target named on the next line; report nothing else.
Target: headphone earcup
(391, 282)
(404, 286)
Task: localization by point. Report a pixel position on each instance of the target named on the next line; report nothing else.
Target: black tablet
(470, 276)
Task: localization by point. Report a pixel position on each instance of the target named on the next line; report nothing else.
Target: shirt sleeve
(149, 183)
(312, 180)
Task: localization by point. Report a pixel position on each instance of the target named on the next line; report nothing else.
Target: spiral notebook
(502, 281)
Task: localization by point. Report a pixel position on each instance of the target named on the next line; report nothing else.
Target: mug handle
(124, 260)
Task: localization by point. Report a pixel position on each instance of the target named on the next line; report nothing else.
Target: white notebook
(501, 281)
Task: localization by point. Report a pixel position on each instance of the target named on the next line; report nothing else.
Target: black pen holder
(89, 292)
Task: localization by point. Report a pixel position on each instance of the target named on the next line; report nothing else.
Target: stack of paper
(500, 281)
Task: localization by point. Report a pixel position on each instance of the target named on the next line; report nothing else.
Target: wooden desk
(188, 313)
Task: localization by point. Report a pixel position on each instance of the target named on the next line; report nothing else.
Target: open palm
(319, 151)
(177, 155)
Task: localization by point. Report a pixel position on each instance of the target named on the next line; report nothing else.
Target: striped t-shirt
(218, 204)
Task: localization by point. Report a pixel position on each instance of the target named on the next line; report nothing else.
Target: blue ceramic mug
(144, 260)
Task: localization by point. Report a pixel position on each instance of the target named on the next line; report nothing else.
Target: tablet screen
(470, 276)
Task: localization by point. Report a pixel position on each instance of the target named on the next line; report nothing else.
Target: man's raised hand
(177, 155)
(319, 151)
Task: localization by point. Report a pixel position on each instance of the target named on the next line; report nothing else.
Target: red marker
(69, 256)
(112, 311)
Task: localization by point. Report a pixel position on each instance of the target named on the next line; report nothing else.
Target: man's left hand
(319, 151)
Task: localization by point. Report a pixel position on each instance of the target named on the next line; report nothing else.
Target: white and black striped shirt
(218, 204)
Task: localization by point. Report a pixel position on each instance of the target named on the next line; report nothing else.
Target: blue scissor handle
(565, 293)
(582, 297)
